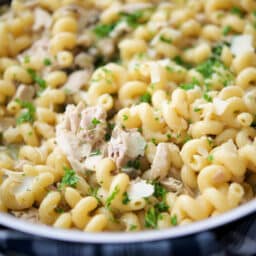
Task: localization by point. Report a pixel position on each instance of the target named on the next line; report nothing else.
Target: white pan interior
(117, 237)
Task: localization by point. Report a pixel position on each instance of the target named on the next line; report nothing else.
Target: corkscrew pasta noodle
(126, 115)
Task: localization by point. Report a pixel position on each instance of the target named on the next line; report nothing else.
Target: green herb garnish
(210, 158)
(59, 210)
(217, 49)
(207, 97)
(197, 109)
(210, 141)
(237, 11)
(69, 179)
(187, 138)
(26, 59)
(28, 115)
(125, 117)
(95, 121)
(132, 19)
(146, 97)
(94, 192)
(111, 197)
(178, 60)
(169, 136)
(208, 67)
(37, 79)
(226, 30)
(47, 62)
(133, 164)
(108, 134)
(151, 218)
(161, 207)
(190, 86)
(132, 227)
(159, 190)
(125, 199)
(103, 30)
(169, 69)
(153, 140)
(165, 39)
(174, 220)
(95, 153)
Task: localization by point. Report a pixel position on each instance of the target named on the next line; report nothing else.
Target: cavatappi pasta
(123, 115)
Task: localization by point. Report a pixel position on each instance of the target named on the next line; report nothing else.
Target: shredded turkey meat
(161, 163)
(43, 19)
(125, 146)
(81, 133)
(77, 80)
(173, 185)
(39, 49)
(29, 215)
(25, 92)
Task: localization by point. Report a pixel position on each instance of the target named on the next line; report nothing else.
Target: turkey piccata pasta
(125, 115)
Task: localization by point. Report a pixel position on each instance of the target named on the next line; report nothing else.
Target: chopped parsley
(37, 79)
(59, 210)
(174, 220)
(103, 30)
(132, 19)
(95, 121)
(178, 60)
(207, 97)
(111, 197)
(69, 179)
(153, 140)
(151, 218)
(190, 86)
(208, 67)
(95, 153)
(187, 138)
(217, 49)
(237, 11)
(125, 117)
(108, 134)
(132, 227)
(133, 164)
(125, 199)
(210, 158)
(161, 207)
(28, 115)
(210, 141)
(159, 190)
(47, 62)
(226, 30)
(146, 97)
(165, 39)
(169, 136)
(169, 69)
(26, 59)
(94, 192)
(197, 109)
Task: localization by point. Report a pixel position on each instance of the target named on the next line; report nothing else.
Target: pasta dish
(126, 115)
